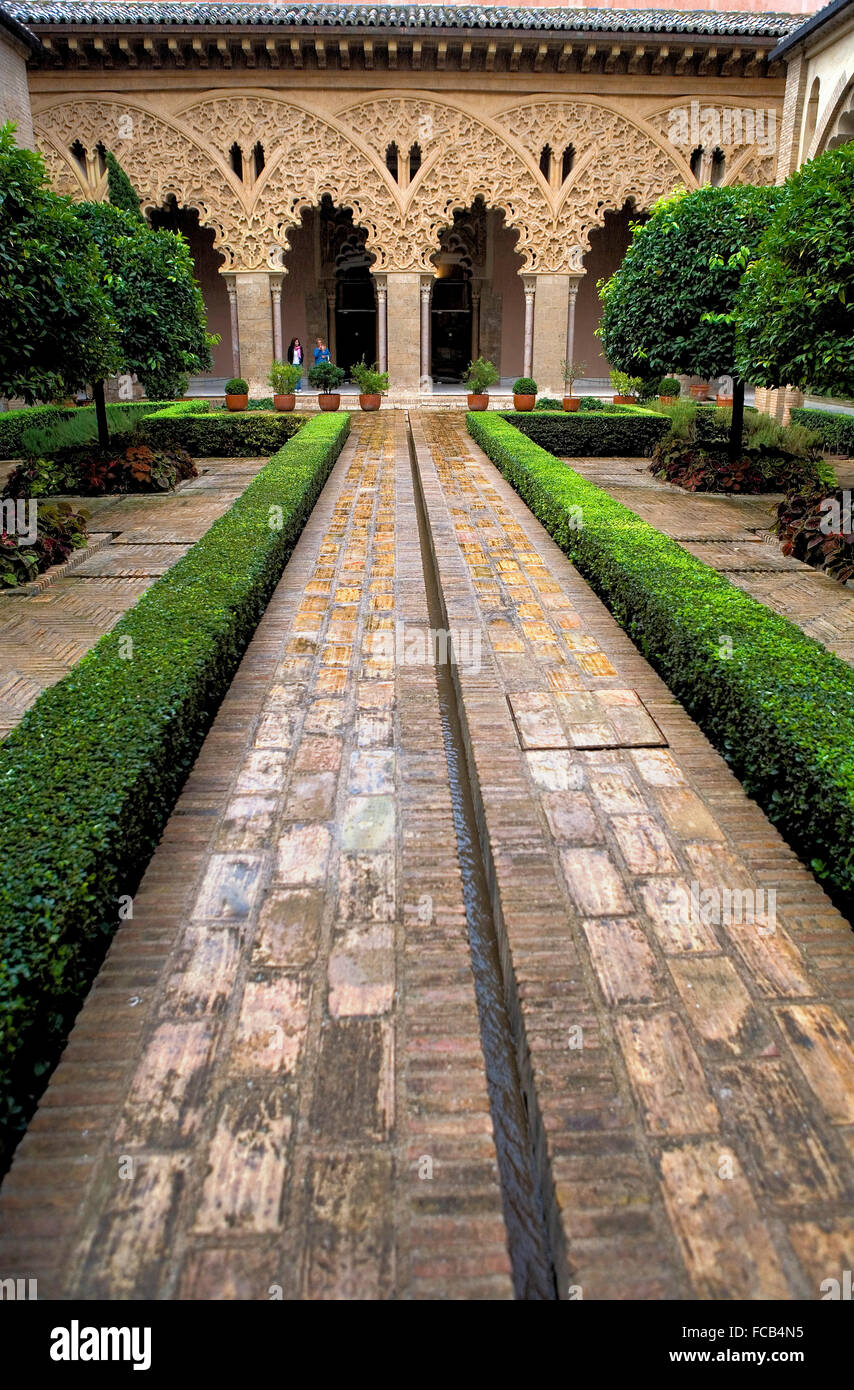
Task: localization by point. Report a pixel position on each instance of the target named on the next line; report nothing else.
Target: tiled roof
(13, 25)
(837, 10)
(156, 12)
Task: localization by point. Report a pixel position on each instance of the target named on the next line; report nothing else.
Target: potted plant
(571, 370)
(372, 383)
(480, 375)
(524, 393)
(669, 390)
(237, 393)
(699, 390)
(325, 376)
(283, 377)
(625, 388)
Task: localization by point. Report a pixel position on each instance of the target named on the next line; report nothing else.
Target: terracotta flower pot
(372, 401)
(285, 402)
(700, 390)
(624, 400)
(724, 401)
(478, 400)
(524, 402)
(571, 403)
(237, 402)
(667, 400)
(328, 400)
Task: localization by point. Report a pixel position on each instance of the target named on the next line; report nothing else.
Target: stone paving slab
(295, 1100)
(732, 535)
(44, 634)
(690, 1073)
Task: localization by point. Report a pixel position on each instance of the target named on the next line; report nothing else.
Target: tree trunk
(737, 428)
(101, 414)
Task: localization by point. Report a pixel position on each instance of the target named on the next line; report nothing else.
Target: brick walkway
(134, 539)
(731, 534)
(277, 1081)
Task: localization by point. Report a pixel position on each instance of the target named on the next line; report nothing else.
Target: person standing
(321, 352)
(295, 356)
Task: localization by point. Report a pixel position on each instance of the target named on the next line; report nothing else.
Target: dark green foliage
(120, 190)
(524, 386)
(669, 386)
(685, 261)
(220, 434)
(155, 299)
(772, 457)
(622, 431)
(548, 403)
(57, 330)
(59, 531)
(836, 431)
(325, 376)
(778, 705)
(90, 776)
(237, 386)
(795, 309)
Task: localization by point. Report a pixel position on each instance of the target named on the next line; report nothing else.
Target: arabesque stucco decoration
(185, 155)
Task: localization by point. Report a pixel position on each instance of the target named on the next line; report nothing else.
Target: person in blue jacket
(321, 352)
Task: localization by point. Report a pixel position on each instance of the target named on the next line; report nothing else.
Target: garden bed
(776, 703)
(835, 430)
(206, 433)
(90, 775)
(50, 420)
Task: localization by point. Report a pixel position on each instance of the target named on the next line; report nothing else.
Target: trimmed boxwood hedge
(780, 707)
(835, 429)
(217, 434)
(631, 433)
(90, 775)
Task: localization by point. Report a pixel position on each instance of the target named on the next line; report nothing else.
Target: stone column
(550, 330)
(530, 284)
(255, 322)
(475, 324)
(276, 292)
(574, 286)
(426, 292)
(382, 325)
(235, 330)
(330, 318)
(402, 331)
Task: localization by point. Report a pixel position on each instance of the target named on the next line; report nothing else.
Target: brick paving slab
(44, 634)
(295, 1100)
(691, 1074)
(732, 535)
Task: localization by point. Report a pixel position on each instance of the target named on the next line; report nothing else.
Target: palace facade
(416, 185)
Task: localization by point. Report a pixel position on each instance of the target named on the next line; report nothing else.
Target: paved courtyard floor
(732, 535)
(286, 1079)
(132, 540)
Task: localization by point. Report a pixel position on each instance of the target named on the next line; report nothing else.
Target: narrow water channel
(524, 1210)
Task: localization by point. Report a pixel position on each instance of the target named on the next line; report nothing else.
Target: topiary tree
(56, 327)
(155, 300)
(795, 306)
(120, 190)
(670, 305)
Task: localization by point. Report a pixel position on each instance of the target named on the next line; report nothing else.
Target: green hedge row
(592, 434)
(835, 430)
(13, 423)
(90, 775)
(216, 434)
(776, 703)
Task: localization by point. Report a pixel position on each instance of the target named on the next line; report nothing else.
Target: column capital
(381, 287)
(427, 286)
(529, 283)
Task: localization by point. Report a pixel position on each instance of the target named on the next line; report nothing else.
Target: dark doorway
(451, 326)
(355, 318)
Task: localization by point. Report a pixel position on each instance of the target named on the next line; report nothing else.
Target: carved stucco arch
(463, 157)
(840, 106)
(161, 159)
(748, 162)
